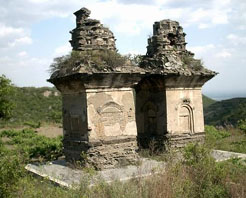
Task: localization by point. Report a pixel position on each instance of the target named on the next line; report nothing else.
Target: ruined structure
(107, 115)
(90, 34)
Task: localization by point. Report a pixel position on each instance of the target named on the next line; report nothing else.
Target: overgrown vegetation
(34, 106)
(11, 170)
(242, 125)
(96, 59)
(196, 175)
(34, 146)
(190, 62)
(229, 140)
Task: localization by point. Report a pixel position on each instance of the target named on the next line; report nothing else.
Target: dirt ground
(47, 130)
(50, 131)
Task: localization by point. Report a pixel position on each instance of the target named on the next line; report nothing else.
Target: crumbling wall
(90, 34)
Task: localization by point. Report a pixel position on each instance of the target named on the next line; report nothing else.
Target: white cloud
(7, 30)
(22, 54)
(63, 50)
(200, 50)
(223, 54)
(236, 39)
(26, 72)
(129, 20)
(11, 36)
(203, 26)
(21, 41)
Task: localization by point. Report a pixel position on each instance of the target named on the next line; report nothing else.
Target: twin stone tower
(109, 114)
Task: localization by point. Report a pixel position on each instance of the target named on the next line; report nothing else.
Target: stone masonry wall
(113, 153)
(111, 113)
(90, 34)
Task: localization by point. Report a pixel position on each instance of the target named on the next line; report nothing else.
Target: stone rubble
(90, 34)
(166, 51)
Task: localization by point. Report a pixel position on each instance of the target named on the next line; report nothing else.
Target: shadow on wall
(151, 111)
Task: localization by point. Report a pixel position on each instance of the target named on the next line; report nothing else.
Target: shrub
(215, 133)
(242, 125)
(96, 59)
(33, 124)
(190, 62)
(205, 178)
(6, 90)
(34, 145)
(11, 170)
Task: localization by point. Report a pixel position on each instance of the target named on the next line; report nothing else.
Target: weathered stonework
(107, 116)
(90, 34)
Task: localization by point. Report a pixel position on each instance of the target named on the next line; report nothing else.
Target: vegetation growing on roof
(190, 62)
(93, 59)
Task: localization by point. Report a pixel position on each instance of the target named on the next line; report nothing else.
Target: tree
(6, 91)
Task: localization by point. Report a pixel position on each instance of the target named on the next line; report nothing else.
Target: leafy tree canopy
(6, 91)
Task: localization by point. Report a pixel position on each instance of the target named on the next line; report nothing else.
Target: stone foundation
(169, 141)
(113, 153)
(181, 140)
(103, 154)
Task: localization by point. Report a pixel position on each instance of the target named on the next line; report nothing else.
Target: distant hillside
(225, 112)
(207, 101)
(44, 105)
(36, 104)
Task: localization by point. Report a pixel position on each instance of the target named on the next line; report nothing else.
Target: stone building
(107, 116)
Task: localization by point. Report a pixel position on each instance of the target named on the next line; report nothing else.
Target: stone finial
(81, 15)
(90, 34)
(167, 35)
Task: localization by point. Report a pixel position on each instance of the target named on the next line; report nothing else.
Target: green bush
(11, 170)
(34, 145)
(242, 125)
(6, 91)
(33, 124)
(215, 133)
(204, 177)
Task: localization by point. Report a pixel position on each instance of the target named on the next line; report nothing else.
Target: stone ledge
(60, 173)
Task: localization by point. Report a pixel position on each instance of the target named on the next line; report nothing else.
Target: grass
(196, 175)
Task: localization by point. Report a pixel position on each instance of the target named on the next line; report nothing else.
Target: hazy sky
(33, 32)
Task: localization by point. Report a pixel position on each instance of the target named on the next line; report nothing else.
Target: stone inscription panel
(111, 115)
